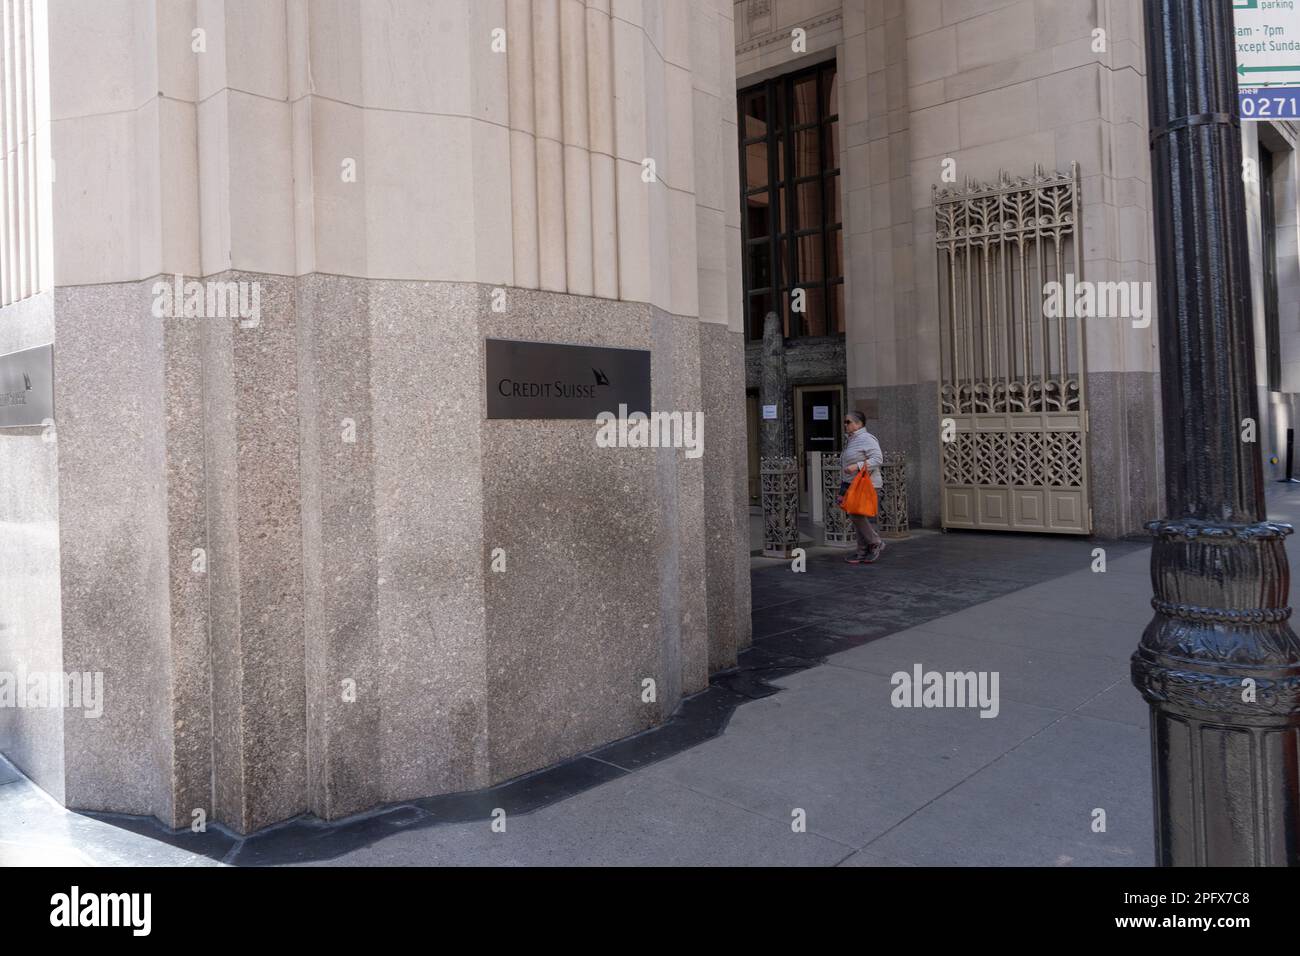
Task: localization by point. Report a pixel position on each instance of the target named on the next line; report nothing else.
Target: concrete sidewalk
(877, 784)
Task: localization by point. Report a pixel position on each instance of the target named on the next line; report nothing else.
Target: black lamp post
(1219, 663)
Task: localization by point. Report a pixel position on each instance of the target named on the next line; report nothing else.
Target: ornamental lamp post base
(1220, 667)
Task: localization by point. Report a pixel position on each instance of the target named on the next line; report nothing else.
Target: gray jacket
(862, 446)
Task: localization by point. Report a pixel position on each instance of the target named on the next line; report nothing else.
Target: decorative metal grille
(837, 528)
(1012, 383)
(894, 522)
(780, 506)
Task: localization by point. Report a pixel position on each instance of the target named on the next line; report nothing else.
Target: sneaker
(874, 554)
(856, 559)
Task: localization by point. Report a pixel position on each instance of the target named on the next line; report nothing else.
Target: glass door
(819, 412)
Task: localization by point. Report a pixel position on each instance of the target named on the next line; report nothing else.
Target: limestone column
(628, 52)
(279, 546)
(722, 386)
(523, 145)
(548, 105)
(600, 117)
(577, 164)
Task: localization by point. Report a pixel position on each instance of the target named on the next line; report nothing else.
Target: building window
(790, 202)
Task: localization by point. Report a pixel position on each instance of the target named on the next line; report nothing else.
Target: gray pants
(867, 537)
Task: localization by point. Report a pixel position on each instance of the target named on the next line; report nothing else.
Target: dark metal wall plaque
(542, 380)
(27, 387)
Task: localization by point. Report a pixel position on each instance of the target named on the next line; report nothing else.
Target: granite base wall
(433, 660)
(345, 642)
(1124, 451)
(726, 493)
(30, 617)
(110, 408)
(254, 517)
(579, 618)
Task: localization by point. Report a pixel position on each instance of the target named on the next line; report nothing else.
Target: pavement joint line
(1110, 720)
(970, 776)
(791, 630)
(985, 640)
(33, 787)
(757, 813)
(232, 853)
(1107, 690)
(846, 858)
(616, 766)
(771, 607)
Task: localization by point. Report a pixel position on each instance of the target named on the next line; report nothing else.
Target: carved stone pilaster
(773, 438)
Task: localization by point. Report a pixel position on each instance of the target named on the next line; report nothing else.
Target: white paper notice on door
(821, 413)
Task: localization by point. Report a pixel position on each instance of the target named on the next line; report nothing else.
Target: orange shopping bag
(861, 496)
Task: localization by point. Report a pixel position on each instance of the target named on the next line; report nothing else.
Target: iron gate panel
(1012, 380)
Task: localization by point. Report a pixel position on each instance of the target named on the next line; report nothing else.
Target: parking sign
(1268, 59)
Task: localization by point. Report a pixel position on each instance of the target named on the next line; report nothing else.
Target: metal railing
(893, 521)
(780, 480)
(837, 528)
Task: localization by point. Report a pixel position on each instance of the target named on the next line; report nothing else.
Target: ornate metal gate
(1012, 401)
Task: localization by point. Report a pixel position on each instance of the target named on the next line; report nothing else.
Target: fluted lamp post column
(1218, 664)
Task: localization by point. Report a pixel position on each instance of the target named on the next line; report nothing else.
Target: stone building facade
(954, 94)
(278, 539)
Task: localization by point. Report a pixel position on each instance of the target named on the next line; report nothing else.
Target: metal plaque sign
(543, 380)
(27, 387)
(1268, 59)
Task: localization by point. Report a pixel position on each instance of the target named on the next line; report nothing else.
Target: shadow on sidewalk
(799, 619)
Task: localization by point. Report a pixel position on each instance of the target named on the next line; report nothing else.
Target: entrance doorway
(819, 410)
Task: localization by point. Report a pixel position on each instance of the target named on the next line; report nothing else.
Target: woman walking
(862, 451)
